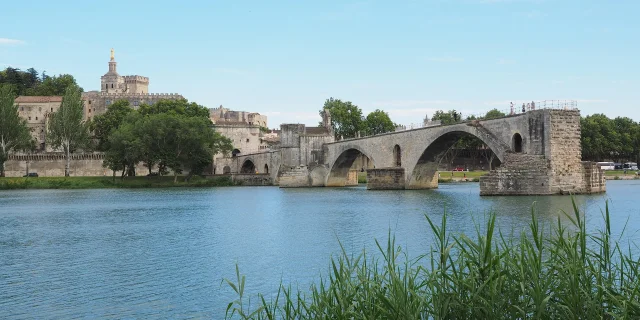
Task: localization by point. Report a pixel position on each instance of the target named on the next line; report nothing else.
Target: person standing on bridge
(512, 111)
(528, 107)
(533, 105)
(523, 108)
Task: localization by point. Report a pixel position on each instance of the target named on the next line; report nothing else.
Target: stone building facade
(112, 82)
(114, 87)
(37, 110)
(222, 115)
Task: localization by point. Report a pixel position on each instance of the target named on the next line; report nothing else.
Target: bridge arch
(248, 166)
(340, 167)
(423, 174)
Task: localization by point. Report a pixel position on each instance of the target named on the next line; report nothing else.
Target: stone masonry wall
(293, 176)
(566, 167)
(352, 178)
(520, 174)
(593, 178)
(260, 179)
(52, 165)
(385, 178)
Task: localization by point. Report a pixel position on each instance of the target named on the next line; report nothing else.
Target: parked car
(458, 169)
(630, 166)
(617, 166)
(31, 175)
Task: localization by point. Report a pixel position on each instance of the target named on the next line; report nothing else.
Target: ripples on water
(163, 253)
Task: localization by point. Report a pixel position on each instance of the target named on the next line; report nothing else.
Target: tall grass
(555, 272)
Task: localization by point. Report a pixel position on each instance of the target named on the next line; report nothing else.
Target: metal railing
(517, 109)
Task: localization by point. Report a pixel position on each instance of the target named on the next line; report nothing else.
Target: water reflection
(151, 253)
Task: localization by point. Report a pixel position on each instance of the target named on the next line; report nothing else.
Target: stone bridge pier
(539, 152)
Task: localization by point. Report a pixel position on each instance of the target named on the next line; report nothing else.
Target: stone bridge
(539, 152)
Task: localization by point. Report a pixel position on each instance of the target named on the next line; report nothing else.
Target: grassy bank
(108, 182)
(549, 272)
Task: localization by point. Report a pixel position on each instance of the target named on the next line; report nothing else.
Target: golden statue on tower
(112, 55)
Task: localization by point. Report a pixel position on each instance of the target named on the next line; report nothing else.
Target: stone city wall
(52, 165)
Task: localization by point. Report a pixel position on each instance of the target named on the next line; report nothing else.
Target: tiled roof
(38, 99)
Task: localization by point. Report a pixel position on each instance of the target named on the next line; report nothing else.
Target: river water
(164, 252)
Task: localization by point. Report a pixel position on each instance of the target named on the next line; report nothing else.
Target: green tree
(447, 117)
(54, 86)
(494, 114)
(14, 133)
(67, 130)
(346, 118)
(102, 125)
(125, 149)
(378, 122)
(177, 107)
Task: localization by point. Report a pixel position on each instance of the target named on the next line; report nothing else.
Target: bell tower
(112, 82)
(112, 62)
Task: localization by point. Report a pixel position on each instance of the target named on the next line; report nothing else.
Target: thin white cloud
(445, 59)
(11, 42)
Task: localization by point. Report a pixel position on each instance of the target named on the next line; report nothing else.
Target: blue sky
(284, 58)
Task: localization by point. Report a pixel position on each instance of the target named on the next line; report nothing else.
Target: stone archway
(516, 143)
(397, 156)
(341, 172)
(424, 174)
(266, 168)
(248, 167)
(226, 170)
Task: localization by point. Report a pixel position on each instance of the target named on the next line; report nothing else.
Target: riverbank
(109, 182)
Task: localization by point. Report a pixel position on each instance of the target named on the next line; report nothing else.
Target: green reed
(558, 272)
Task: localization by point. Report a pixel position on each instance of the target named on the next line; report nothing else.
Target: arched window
(235, 152)
(517, 143)
(266, 168)
(112, 86)
(397, 156)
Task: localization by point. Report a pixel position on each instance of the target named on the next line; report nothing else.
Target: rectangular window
(36, 118)
(29, 118)
(107, 102)
(89, 101)
(136, 103)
